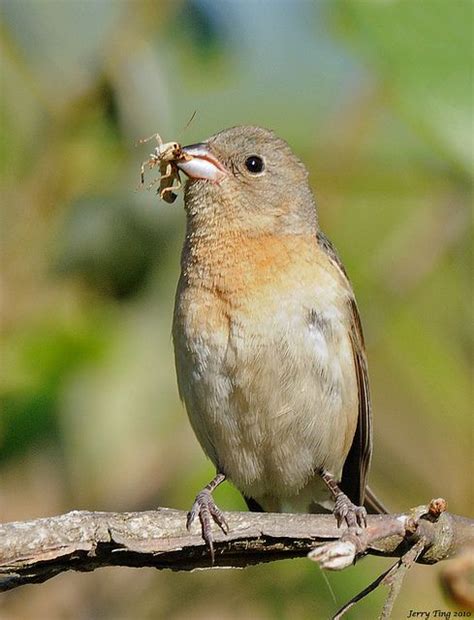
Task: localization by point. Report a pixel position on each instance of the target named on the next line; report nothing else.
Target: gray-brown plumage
(268, 342)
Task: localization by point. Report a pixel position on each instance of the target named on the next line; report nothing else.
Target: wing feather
(356, 467)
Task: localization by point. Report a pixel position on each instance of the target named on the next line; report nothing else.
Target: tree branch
(34, 551)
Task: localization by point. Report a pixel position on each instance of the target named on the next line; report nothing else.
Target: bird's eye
(255, 164)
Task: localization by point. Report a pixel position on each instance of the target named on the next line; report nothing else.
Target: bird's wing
(356, 467)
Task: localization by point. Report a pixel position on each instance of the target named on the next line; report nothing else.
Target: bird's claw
(345, 510)
(206, 509)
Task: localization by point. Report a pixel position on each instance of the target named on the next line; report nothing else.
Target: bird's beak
(200, 163)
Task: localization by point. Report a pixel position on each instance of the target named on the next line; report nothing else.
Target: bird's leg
(205, 507)
(344, 509)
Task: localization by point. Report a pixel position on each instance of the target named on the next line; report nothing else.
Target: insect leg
(155, 136)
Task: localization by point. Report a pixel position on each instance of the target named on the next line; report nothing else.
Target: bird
(269, 349)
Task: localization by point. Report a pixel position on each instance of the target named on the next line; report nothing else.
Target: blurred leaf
(110, 245)
(61, 42)
(42, 358)
(28, 418)
(423, 53)
(200, 35)
(433, 366)
(197, 24)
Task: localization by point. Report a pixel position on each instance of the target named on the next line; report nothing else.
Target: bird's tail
(372, 504)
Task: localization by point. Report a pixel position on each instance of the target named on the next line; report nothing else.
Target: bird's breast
(264, 360)
(252, 274)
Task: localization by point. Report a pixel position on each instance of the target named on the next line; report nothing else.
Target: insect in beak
(195, 160)
(165, 155)
(200, 163)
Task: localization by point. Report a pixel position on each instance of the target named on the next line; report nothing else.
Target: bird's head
(247, 179)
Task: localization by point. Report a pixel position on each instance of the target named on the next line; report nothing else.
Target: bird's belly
(270, 402)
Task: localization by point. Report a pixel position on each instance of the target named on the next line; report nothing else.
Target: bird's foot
(206, 509)
(345, 510)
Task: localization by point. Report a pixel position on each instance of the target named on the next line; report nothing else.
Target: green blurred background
(375, 97)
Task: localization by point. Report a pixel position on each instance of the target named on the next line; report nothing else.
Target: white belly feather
(271, 401)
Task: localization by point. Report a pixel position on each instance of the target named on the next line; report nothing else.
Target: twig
(34, 551)
(370, 588)
(395, 579)
(394, 576)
